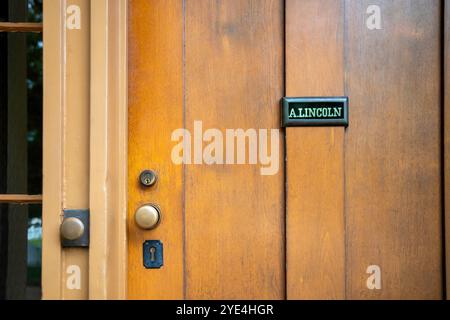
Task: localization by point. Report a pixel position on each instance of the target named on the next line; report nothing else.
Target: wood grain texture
(393, 148)
(155, 110)
(368, 195)
(447, 138)
(234, 215)
(315, 156)
(20, 27)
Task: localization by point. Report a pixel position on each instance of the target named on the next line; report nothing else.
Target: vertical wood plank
(155, 110)
(315, 156)
(234, 215)
(393, 148)
(447, 138)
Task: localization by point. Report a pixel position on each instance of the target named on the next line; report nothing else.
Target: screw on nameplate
(153, 254)
(314, 111)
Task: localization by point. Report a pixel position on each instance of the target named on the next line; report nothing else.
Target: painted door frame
(104, 187)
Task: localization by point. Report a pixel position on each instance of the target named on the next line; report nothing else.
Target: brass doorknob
(72, 228)
(147, 217)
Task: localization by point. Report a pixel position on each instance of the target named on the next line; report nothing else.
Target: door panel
(234, 216)
(393, 148)
(363, 216)
(315, 156)
(155, 109)
(388, 161)
(219, 62)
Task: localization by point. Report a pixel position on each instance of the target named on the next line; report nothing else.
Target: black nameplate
(304, 112)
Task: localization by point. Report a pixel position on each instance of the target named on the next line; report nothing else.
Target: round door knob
(147, 217)
(72, 228)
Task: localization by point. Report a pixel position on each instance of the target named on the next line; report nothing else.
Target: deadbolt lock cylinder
(148, 216)
(148, 178)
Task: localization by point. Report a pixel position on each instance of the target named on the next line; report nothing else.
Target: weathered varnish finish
(155, 109)
(234, 216)
(368, 195)
(222, 226)
(393, 151)
(315, 156)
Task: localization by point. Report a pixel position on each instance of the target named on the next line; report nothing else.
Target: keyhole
(147, 178)
(152, 254)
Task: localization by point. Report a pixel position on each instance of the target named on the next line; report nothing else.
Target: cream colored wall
(85, 145)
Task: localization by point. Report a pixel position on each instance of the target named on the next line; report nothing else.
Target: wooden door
(364, 215)
(351, 213)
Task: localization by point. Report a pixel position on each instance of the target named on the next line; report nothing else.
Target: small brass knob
(147, 217)
(72, 228)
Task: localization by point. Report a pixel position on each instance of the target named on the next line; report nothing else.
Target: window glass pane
(4, 11)
(34, 107)
(21, 113)
(21, 11)
(34, 10)
(34, 252)
(20, 152)
(20, 251)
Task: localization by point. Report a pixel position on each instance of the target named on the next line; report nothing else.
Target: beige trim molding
(52, 147)
(108, 155)
(65, 146)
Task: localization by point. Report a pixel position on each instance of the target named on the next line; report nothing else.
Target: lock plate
(153, 254)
